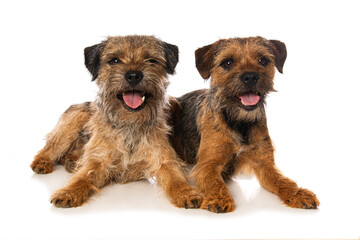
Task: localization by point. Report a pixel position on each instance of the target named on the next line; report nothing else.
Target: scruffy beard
(229, 104)
(236, 113)
(114, 109)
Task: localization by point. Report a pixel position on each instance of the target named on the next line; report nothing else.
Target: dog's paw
(188, 197)
(303, 199)
(218, 203)
(66, 198)
(70, 164)
(72, 196)
(42, 165)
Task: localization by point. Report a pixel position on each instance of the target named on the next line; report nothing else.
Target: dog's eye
(153, 61)
(227, 64)
(114, 61)
(264, 61)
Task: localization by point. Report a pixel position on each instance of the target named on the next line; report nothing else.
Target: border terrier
(223, 130)
(123, 135)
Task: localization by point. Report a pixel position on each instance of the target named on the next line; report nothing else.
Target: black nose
(250, 78)
(133, 77)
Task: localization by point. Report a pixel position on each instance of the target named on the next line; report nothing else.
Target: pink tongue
(249, 99)
(133, 99)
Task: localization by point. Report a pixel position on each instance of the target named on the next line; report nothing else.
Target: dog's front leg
(207, 172)
(173, 180)
(271, 178)
(82, 185)
(92, 174)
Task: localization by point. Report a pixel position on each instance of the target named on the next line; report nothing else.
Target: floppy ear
(92, 59)
(204, 59)
(171, 56)
(280, 53)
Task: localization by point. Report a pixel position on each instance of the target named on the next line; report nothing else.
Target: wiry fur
(222, 137)
(106, 141)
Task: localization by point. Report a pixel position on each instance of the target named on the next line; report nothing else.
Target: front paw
(42, 165)
(302, 199)
(188, 197)
(66, 198)
(72, 196)
(218, 203)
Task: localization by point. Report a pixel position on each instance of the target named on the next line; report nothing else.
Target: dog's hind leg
(62, 139)
(76, 150)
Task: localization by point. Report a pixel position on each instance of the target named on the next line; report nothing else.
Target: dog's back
(186, 137)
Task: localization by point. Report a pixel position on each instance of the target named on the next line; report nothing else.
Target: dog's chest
(133, 149)
(241, 148)
(137, 152)
(241, 135)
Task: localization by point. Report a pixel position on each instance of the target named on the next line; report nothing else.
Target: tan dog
(223, 130)
(123, 135)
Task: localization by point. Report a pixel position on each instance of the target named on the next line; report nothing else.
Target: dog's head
(242, 72)
(131, 72)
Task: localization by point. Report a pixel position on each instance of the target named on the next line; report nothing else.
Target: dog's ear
(171, 56)
(204, 58)
(92, 59)
(280, 53)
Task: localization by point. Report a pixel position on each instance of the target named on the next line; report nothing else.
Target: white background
(313, 118)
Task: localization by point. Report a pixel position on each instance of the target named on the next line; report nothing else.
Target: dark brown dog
(123, 135)
(223, 130)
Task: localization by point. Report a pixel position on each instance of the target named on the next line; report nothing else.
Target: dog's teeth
(143, 98)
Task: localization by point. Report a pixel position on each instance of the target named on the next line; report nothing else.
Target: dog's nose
(133, 77)
(250, 78)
